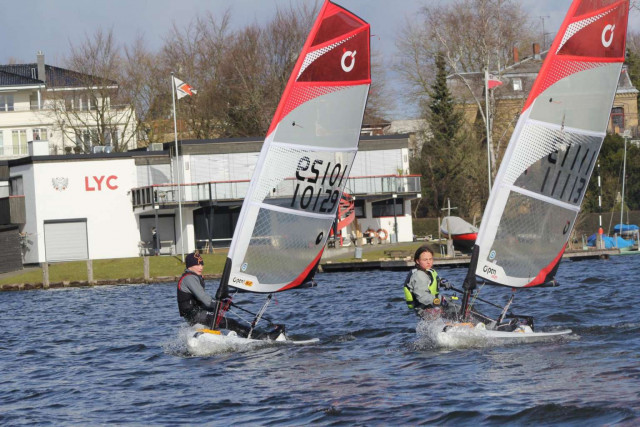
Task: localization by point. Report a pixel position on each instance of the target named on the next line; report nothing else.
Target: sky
(29, 26)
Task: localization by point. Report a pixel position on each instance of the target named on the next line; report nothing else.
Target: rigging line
(475, 296)
(251, 313)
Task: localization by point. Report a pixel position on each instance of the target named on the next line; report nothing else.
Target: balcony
(14, 150)
(12, 210)
(167, 194)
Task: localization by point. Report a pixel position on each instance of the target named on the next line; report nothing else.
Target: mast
(488, 124)
(178, 162)
(470, 282)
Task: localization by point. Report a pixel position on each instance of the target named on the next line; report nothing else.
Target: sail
(545, 171)
(305, 160)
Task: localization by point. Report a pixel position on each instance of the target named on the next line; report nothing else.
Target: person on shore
(154, 241)
(422, 287)
(196, 306)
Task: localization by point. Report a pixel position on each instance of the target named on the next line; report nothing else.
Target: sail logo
(606, 42)
(490, 271)
(492, 255)
(343, 62)
(244, 267)
(241, 281)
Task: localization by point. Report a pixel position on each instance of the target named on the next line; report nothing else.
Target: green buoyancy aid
(433, 287)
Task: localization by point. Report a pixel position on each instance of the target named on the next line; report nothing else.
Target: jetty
(402, 260)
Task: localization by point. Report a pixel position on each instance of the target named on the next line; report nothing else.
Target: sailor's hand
(436, 301)
(445, 283)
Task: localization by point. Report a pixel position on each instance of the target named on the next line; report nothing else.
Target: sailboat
(302, 169)
(544, 174)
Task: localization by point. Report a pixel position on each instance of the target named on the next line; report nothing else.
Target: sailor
(198, 307)
(422, 286)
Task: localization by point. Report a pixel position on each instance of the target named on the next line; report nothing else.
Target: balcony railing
(237, 190)
(12, 210)
(14, 149)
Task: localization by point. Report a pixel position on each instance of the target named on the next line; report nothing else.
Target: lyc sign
(95, 183)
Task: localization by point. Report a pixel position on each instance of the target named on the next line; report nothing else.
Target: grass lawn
(115, 269)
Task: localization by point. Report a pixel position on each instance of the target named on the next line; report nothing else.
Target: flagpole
(486, 104)
(178, 163)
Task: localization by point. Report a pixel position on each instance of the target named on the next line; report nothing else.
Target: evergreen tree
(447, 157)
(633, 66)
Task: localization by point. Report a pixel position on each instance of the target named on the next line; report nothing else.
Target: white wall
(97, 190)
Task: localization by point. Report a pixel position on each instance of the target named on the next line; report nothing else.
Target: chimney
(516, 56)
(42, 75)
(536, 51)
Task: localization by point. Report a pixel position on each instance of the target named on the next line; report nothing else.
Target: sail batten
(548, 163)
(295, 191)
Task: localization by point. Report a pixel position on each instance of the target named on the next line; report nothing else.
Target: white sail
(547, 166)
(305, 161)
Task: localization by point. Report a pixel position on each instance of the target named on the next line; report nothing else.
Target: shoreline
(29, 286)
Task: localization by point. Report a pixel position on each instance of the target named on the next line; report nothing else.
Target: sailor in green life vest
(422, 286)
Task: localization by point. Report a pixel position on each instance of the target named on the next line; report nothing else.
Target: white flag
(183, 89)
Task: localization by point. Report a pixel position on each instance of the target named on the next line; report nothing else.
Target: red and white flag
(183, 89)
(493, 81)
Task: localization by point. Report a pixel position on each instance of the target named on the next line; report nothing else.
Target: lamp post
(626, 135)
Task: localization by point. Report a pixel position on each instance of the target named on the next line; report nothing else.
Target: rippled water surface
(116, 354)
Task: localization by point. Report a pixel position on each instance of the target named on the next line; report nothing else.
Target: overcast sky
(28, 26)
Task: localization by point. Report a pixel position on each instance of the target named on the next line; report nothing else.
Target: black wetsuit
(196, 306)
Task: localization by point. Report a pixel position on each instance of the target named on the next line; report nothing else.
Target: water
(115, 355)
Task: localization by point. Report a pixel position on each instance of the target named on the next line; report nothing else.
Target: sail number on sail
(315, 192)
(570, 180)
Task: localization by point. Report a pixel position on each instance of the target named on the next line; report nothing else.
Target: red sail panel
(336, 54)
(593, 33)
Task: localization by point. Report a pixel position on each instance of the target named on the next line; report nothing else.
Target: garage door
(66, 240)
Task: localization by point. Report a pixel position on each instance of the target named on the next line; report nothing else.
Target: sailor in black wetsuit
(196, 306)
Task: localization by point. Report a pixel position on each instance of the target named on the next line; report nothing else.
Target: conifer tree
(446, 159)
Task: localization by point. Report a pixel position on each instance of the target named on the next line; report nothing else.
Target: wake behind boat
(544, 174)
(294, 193)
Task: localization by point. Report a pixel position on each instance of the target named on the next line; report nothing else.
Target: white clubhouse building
(97, 206)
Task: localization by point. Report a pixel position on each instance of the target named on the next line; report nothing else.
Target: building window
(358, 206)
(517, 84)
(387, 207)
(40, 134)
(15, 186)
(85, 139)
(111, 137)
(6, 102)
(19, 139)
(617, 119)
(33, 102)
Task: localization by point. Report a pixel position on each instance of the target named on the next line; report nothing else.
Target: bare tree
(85, 98)
(143, 85)
(473, 35)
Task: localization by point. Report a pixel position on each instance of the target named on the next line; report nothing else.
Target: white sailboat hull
(467, 335)
(207, 341)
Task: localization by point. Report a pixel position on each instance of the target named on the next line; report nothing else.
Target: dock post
(90, 272)
(45, 275)
(145, 261)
